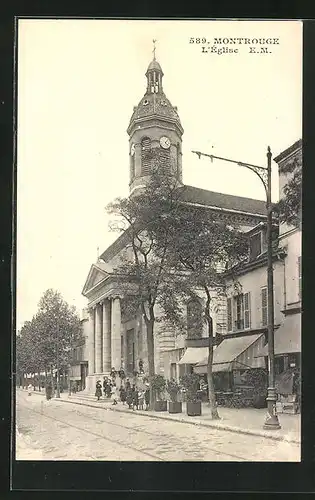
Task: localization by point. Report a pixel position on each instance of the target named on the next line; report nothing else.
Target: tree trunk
(150, 345)
(212, 401)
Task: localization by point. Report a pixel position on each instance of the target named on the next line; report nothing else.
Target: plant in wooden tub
(158, 384)
(173, 389)
(190, 383)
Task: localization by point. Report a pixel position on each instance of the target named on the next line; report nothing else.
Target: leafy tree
(289, 207)
(200, 247)
(142, 268)
(59, 326)
(174, 251)
(45, 342)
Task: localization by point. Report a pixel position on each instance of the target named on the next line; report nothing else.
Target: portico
(104, 341)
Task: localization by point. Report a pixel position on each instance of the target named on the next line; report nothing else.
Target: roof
(288, 151)
(154, 65)
(287, 337)
(156, 105)
(225, 201)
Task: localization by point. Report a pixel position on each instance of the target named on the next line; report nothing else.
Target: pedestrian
(98, 391)
(141, 399)
(108, 390)
(114, 395)
(147, 397)
(129, 397)
(127, 385)
(135, 399)
(105, 380)
(29, 389)
(123, 394)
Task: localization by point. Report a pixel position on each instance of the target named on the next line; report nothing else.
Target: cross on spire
(154, 48)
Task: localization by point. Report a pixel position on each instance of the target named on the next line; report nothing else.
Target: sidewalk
(240, 420)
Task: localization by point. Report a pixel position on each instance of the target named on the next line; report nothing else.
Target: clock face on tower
(165, 142)
(132, 149)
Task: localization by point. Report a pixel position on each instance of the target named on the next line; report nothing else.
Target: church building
(115, 339)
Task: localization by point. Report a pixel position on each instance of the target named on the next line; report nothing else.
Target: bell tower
(155, 133)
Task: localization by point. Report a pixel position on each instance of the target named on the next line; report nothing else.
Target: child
(114, 395)
(141, 399)
(135, 401)
(98, 391)
(122, 394)
(147, 397)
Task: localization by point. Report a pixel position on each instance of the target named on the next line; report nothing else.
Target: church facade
(115, 339)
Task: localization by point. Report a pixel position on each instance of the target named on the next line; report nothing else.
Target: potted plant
(158, 384)
(190, 383)
(173, 388)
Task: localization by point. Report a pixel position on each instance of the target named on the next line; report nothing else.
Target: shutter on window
(247, 310)
(264, 309)
(229, 315)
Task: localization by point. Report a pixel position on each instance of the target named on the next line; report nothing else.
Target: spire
(154, 75)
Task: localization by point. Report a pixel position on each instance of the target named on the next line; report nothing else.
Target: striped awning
(233, 354)
(287, 337)
(193, 355)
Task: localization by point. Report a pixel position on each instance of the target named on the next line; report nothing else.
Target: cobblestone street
(54, 430)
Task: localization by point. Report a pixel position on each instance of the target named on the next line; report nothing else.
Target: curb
(223, 427)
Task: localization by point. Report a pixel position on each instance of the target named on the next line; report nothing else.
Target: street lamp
(264, 174)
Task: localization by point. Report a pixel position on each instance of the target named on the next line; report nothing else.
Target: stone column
(91, 343)
(106, 336)
(98, 339)
(115, 333)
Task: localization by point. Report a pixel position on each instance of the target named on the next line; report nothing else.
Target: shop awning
(232, 353)
(193, 355)
(287, 337)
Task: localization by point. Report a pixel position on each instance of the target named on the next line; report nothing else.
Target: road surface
(56, 430)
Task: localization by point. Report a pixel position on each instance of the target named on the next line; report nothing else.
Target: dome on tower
(154, 103)
(154, 65)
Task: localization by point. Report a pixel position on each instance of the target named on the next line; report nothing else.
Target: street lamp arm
(261, 172)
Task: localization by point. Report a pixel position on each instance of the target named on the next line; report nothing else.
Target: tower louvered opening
(146, 156)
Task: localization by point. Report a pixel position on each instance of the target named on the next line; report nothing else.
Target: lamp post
(264, 174)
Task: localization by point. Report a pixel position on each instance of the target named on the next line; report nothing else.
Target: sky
(78, 81)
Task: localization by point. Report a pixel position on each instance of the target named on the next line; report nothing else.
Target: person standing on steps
(98, 391)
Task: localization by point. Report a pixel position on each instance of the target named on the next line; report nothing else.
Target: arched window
(146, 156)
(194, 319)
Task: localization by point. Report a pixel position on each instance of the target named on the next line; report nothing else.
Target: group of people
(135, 397)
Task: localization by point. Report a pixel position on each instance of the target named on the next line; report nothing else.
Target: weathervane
(154, 48)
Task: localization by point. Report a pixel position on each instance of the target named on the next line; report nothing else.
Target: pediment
(98, 273)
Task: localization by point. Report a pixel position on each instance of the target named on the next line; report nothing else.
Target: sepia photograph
(158, 240)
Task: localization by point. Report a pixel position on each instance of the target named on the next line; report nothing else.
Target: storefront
(287, 348)
(233, 359)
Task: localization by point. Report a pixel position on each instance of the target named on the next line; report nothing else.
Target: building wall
(291, 241)
(252, 282)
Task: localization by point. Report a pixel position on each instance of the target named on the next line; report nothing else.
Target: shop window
(279, 365)
(173, 370)
(194, 319)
